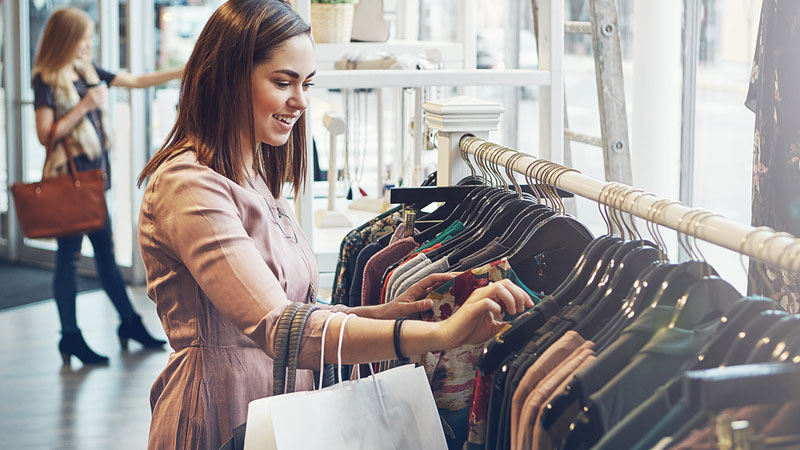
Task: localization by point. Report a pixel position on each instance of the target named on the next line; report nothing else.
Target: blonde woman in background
(70, 100)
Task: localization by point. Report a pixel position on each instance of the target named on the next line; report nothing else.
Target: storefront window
(34, 154)
(3, 159)
(178, 24)
(724, 127)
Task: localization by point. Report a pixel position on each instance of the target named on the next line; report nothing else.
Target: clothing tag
(505, 327)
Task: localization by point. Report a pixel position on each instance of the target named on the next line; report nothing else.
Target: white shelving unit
(460, 71)
(452, 52)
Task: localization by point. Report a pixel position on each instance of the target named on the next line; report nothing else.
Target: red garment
(376, 266)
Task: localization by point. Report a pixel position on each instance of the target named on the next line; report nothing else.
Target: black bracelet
(396, 337)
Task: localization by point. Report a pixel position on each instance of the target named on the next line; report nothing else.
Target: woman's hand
(96, 98)
(413, 299)
(478, 319)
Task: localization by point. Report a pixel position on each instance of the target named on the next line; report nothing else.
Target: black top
(43, 96)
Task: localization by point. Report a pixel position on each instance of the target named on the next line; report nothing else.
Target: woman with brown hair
(70, 104)
(223, 253)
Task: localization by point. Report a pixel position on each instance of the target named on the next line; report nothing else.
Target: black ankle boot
(72, 343)
(133, 329)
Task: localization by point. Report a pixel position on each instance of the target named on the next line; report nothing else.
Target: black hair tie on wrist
(396, 337)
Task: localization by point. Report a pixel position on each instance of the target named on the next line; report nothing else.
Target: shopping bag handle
(358, 368)
(339, 352)
(339, 358)
(322, 349)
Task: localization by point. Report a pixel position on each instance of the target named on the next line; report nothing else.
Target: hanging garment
(448, 233)
(652, 366)
(354, 296)
(452, 372)
(540, 439)
(352, 244)
(774, 96)
(666, 411)
(539, 382)
(390, 272)
(377, 265)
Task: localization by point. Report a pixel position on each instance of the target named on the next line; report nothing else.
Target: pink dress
(222, 262)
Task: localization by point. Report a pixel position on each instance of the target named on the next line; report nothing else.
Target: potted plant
(332, 20)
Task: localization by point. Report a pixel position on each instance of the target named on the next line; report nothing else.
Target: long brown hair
(59, 46)
(216, 86)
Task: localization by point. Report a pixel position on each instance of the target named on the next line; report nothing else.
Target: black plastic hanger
(734, 324)
(615, 265)
(612, 297)
(585, 269)
(678, 281)
(773, 342)
(524, 327)
(594, 281)
(493, 229)
(460, 210)
(557, 231)
(474, 226)
(746, 340)
(706, 299)
(646, 285)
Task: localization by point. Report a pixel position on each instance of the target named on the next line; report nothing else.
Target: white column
(655, 139)
(452, 118)
(551, 97)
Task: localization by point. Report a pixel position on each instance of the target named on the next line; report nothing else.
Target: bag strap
(50, 145)
(281, 348)
(295, 336)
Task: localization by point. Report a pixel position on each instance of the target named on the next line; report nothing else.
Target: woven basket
(332, 22)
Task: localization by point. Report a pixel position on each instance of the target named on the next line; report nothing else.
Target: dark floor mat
(21, 285)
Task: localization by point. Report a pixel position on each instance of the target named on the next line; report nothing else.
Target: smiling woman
(222, 257)
(281, 91)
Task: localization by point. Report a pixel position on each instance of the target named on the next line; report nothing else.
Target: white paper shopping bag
(391, 410)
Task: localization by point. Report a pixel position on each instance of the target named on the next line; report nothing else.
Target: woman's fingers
(511, 296)
(432, 281)
(522, 298)
(418, 306)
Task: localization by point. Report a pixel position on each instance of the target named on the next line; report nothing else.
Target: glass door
(3, 154)
(110, 53)
(34, 15)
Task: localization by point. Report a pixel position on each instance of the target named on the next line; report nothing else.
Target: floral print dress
(774, 96)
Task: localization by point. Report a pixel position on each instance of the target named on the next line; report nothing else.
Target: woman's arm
(95, 98)
(368, 340)
(410, 302)
(124, 79)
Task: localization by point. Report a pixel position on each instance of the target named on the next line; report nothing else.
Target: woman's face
(85, 49)
(281, 90)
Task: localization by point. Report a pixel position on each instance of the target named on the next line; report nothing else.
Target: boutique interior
(633, 166)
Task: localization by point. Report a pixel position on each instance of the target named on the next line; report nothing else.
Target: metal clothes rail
(778, 249)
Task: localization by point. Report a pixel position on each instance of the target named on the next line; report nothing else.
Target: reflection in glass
(177, 29)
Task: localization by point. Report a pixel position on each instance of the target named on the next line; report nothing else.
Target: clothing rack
(748, 384)
(778, 249)
(453, 193)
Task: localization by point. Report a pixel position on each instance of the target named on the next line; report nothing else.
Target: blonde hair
(60, 44)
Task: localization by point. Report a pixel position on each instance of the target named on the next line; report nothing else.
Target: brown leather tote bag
(65, 205)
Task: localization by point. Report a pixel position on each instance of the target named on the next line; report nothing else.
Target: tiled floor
(47, 406)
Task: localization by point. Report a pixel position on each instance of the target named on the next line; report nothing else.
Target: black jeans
(65, 282)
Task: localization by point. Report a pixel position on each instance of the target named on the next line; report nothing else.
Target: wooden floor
(46, 406)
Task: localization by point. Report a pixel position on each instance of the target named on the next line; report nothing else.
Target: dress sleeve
(196, 221)
(42, 94)
(104, 75)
